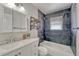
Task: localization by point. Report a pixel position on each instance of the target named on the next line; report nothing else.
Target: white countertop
(7, 48)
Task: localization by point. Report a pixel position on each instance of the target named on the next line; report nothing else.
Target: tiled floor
(55, 49)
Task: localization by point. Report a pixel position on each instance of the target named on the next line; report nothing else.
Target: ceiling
(47, 8)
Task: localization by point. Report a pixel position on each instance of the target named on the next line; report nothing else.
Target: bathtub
(55, 49)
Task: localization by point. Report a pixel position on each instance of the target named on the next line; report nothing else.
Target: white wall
(77, 40)
(75, 24)
(30, 11)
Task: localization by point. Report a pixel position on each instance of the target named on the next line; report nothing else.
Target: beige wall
(30, 11)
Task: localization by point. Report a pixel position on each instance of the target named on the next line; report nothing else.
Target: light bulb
(22, 9)
(11, 5)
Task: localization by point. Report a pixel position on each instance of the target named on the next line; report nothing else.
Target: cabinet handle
(35, 45)
(35, 54)
(19, 53)
(16, 55)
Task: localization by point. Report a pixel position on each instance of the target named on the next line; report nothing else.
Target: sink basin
(12, 45)
(9, 46)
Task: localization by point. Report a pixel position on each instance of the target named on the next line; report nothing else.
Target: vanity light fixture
(11, 5)
(20, 6)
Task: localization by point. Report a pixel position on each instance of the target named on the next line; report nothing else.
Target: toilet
(42, 51)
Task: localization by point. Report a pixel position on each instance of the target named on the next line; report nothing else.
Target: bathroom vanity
(27, 47)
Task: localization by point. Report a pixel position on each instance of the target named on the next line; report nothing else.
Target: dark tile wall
(59, 36)
(41, 25)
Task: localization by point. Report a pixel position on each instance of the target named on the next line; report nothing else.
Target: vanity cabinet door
(23, 51)
(30, 49)
(16, 52)
(35, 48)
(27, 50)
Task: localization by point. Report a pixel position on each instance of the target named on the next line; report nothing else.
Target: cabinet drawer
(35, 48)
(14, 53)
(34, 44)
(35, 51)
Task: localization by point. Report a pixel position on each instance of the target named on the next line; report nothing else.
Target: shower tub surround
(55, 49)
(56, 35)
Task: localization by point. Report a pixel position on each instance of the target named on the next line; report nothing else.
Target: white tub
(55, 49)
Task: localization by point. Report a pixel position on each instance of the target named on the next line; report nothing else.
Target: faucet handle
(13, 40)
